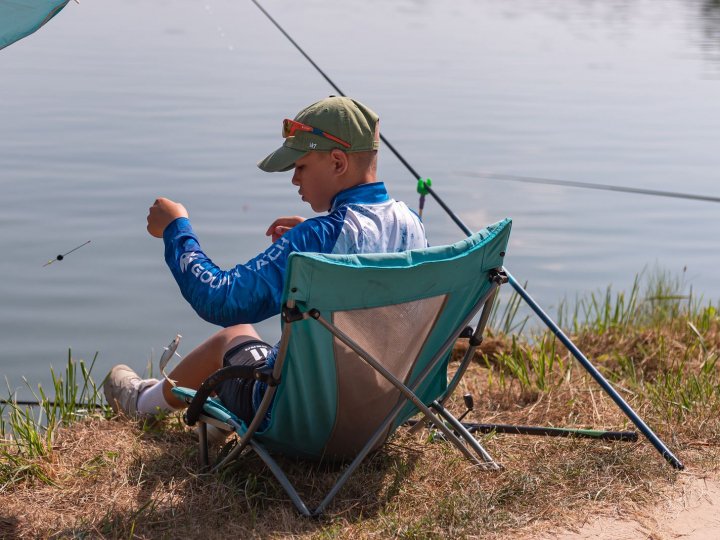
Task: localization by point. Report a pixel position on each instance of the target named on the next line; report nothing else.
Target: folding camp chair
(365, 345)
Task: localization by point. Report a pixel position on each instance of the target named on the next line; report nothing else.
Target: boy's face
(315, 176)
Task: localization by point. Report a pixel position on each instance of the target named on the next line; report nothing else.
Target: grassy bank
(71, 471)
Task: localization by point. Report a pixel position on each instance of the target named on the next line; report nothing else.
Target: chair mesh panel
(393, 335)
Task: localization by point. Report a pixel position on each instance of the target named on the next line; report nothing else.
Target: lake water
(113, 104)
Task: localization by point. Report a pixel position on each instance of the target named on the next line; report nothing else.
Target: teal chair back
(400, 308)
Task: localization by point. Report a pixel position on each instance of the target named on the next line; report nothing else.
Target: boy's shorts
(237, 394)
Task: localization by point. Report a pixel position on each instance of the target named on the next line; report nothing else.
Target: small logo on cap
(313, 145)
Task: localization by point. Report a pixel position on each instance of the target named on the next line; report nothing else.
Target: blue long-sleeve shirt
(362, 219)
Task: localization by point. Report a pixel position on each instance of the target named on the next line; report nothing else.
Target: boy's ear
(340, 161)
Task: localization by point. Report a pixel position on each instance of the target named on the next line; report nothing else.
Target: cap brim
(282, 159)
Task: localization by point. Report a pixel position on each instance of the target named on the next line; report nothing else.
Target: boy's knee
(230, 337)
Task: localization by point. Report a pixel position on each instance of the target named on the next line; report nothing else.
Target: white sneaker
(122, 388)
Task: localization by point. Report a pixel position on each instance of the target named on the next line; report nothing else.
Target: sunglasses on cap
(291, 126)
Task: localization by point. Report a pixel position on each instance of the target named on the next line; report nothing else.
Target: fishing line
(588, 185)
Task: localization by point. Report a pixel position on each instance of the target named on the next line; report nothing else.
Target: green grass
(27, 431)
(656, 301)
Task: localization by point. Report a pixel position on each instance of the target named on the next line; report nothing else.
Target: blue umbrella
(20, 18)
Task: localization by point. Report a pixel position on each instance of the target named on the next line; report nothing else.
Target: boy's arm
(211, 292)
(247, 293)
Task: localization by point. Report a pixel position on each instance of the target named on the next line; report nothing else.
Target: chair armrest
(195, 408)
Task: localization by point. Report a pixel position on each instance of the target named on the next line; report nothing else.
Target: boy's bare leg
(205, 359)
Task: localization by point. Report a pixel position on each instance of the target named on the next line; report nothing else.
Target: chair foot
(203, 446)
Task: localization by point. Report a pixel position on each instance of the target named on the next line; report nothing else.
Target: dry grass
(115, 479)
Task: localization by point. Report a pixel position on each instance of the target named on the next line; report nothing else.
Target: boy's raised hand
(282, 225)
(162, 213)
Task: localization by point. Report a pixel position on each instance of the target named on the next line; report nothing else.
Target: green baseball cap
(334, 122)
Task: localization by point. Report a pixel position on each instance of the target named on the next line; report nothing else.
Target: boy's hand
(282, 225)
(162, 213)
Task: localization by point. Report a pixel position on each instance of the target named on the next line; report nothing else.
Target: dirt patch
(690, 510)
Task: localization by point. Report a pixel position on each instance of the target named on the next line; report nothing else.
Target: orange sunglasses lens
(289, 128)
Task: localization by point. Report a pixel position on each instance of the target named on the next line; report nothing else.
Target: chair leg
(359, 458)
(466, 435)
(345, 477)
(430, 417)
(203, 443)
(282, 478)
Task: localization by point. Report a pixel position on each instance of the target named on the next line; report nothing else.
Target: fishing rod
(425, 189)
(38, 403)
(581, 433)
(423, 185)
(626, 436)
(589, 185)
(169, 352)
(331, 82)
(472, 427)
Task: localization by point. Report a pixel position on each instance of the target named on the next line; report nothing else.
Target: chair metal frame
(433, 413)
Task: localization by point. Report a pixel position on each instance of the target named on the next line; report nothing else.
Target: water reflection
(615, 16)
(710, 23)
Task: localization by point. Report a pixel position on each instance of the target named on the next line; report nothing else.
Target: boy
(332, 147)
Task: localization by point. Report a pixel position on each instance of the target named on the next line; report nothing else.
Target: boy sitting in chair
(332, 147)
